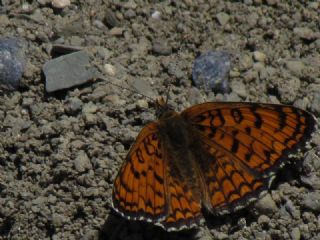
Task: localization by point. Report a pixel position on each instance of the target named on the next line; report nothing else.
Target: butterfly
(220, 156)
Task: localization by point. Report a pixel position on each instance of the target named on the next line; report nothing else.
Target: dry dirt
(60, 152)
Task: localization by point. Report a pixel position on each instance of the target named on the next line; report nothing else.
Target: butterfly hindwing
(184, 209)
(139, 191)
(247, 143)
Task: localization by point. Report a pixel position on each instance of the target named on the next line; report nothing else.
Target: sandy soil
(60, 152)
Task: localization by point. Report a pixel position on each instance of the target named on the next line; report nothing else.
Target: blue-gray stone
(211, 70)
(12, 62)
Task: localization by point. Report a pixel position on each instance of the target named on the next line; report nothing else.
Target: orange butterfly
(220, 156)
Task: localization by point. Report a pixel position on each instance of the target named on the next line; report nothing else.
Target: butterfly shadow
(118, 228)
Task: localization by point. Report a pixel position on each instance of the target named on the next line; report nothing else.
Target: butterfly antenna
(122, 87)
(168, 94)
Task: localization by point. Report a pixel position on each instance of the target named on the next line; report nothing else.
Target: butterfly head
(163, 109)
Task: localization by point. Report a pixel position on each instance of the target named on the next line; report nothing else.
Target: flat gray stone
(68, 71)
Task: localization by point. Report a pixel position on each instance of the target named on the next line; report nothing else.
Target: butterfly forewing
(247, 142)
(139, 190)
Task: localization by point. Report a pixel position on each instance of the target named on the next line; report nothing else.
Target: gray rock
(305, 232)
(17, 124)
(211, 70)
(223, 18)
(142, 104)
(295, 234)
(239, 88)
(305, 33)
(259, 56)
(116, 31)
(312, 181)
(175, 70)
(194, 96)
(315, 103)
(263, 220)
(90, 119)
(68, 71)
(294, 212)
(82, 162)
(248, 2)
(295, 66)
(311, 163)
(89, 108)
(317, 237)
(221, 235)
(142, 86)
(253, 19)
(289, 89)
(75, 104)
(311, 201)
(130, 4)
(57, 220)
(91, 192)
(302, 103)
(271, 2)
(129, 14)
(161, 47)
(91, 235)
(110, 19)
(266, 205)
(12, 62)
(245, 62)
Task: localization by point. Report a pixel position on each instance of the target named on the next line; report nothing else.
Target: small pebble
(266, 205)
(315, 103)
(296, 67)
(57, 220)
(82, 162)
(312, 181)
(116, 31)
(263, 220)
(109, 69)
(142, 103)
(211, 70)
(110, 19)
(305, 33)
(295, 234)
(311, 163)
(239, 88)
(271, 2)
(60, 3)
(75, 104)
(89, 108)
(223, 18)
(161, 47)
(156, 15)
(245, 62)
(129, 14)
(142, 86)
(311, 201)
(259, 56)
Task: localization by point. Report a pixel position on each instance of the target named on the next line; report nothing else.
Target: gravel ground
(60, 152)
